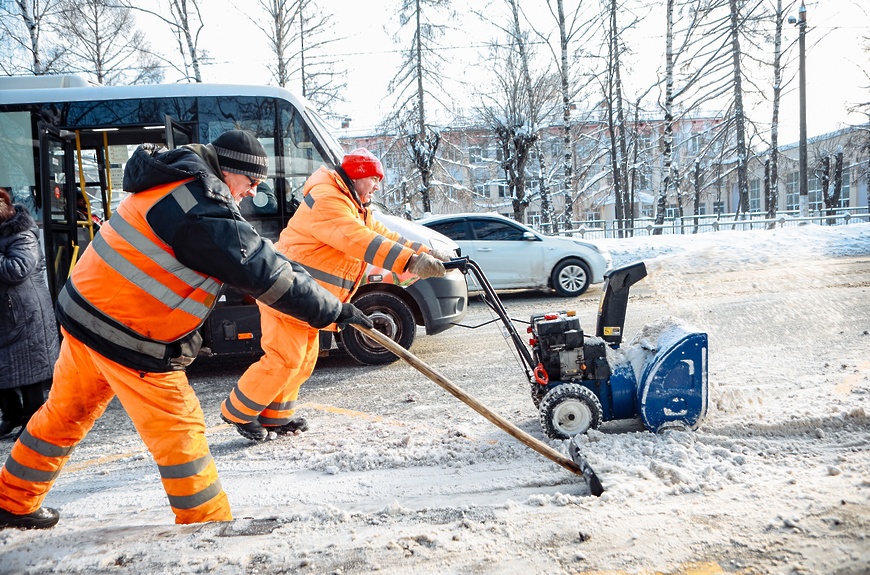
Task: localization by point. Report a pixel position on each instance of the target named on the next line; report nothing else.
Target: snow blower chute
(579, 381)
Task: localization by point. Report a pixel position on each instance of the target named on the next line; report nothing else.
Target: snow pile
(397, 477)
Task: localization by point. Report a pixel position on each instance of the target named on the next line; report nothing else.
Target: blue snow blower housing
(579, 381)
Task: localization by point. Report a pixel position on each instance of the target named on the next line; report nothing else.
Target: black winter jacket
(28, 331)
(211, 237)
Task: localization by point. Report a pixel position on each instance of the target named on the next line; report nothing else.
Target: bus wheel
(392, 317)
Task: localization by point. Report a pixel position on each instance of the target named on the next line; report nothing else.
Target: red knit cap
(361, 163)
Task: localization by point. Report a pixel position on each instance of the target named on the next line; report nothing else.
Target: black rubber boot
(253, 430)
(297, 424)
(42, 518)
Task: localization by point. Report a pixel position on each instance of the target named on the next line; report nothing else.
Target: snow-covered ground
(397, 476)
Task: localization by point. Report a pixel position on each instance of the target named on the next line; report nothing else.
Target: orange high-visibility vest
(129, 278)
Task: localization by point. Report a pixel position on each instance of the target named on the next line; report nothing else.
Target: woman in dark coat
(28, 331)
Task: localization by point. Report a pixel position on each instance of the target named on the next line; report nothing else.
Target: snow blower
(579, 381)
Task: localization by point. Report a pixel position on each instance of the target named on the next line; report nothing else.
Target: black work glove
(351, 314)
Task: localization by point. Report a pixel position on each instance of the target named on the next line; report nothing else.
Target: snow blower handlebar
(464, 264)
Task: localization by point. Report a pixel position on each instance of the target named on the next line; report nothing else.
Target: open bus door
(58, 196)
(176, 133)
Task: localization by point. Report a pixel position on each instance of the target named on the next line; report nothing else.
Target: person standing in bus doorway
(130, 314)
(333, 235)
(28, 329)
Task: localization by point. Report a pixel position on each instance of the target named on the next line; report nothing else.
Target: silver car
(514, 256)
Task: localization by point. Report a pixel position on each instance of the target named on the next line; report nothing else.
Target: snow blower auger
(579, 381)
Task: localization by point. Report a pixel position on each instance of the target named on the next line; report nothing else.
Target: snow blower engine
(579, 381)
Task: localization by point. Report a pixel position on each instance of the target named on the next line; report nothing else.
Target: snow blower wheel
(568, 410)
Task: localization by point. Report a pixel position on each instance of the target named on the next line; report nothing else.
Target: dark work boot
(42, 518)
(253, 430)
(295, 425)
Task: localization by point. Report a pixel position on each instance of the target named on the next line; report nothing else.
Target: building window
(481, 190)
(475, 154)
(814, 185)
(718, 208)
(846, 191)
(755, 195)
(792, 191)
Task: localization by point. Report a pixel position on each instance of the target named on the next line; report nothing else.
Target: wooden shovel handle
(462, 396)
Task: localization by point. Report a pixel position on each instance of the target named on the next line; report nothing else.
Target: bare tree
(516, 98)
(298, 32)
(771, 171)
(22, 24)
(536, 114)
(184, 19)
(413, 87)
(103, 40)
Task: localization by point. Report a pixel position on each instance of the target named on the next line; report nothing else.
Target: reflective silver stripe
(197, 499)
(282, 284)
(44, 448)
(372, 249)
(282, 406)
(309, 200)
(274, 421)
(244, 400)
(28, 473)
(165, 260)
(185, 199)
(100, 326)
(329, 278)
(182, 470)
(162, 258)
(413, 245)
(392, 256)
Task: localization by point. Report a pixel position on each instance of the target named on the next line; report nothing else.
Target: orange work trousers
(162, 406)
(269, 388)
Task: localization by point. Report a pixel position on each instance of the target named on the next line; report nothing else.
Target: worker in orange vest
(334, 235)
(130, 315)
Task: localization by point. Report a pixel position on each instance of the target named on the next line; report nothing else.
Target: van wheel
(392, 317)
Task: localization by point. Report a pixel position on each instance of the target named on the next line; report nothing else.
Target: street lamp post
(804, 197)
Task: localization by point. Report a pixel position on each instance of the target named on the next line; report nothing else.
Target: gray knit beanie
(239, 152)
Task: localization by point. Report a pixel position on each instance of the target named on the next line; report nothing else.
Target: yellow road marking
(850, 382)
(703, 568)
(73, 467)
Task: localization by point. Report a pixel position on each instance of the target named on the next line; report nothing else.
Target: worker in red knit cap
(334, 236)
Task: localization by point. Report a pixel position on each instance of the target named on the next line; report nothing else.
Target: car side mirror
(529, 236)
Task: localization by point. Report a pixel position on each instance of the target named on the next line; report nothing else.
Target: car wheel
(570, 278)
(392, 317)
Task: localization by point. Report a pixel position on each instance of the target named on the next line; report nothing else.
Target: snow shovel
(576, 464)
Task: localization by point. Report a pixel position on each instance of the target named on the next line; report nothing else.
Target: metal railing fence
(601, 229)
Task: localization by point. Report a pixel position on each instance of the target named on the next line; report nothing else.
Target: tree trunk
(739, 116)
(668, 135)
(772, 176)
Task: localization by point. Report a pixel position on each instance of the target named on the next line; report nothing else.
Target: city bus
(63, 146)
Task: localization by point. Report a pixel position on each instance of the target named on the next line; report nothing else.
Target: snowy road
(398, 476)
